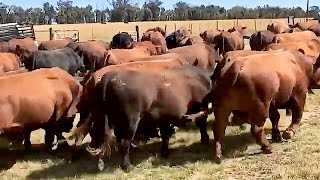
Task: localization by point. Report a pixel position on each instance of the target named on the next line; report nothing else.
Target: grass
(96, 31)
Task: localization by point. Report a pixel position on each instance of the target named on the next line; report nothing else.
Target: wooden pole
(137, 31)
(255, 24)
(50, 34)
(307, 9)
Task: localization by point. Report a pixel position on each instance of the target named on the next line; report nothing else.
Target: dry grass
(106, 31)
(297, 159)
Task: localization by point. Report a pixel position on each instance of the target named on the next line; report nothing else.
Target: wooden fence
(14, 30)
(97, 31)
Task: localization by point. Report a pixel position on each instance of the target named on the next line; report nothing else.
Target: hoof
(205, 139)
(267, 150)
(217, 159)
(243, 127)
(288, 134)
(126, 168)
(165, 154)
(277, 138)
(101, 165)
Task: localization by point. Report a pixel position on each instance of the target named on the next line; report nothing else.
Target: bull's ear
(302, 51)
(196, 62)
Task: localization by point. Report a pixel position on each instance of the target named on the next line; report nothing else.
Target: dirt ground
(296, 159)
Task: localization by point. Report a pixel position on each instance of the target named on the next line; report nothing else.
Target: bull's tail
(102, 127)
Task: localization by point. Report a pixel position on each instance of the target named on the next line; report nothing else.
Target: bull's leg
(125, 143)
(288, 112)
(260, 136)
(275, 117)
(49, 137)
(297, 111)
(219, 129)
(202, 124)
(165, 132)
(27, 142)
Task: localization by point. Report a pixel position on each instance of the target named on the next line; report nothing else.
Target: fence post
(217, 24)
(255, 24)
(175, 27)
(50, 34)
(165, 28)
(191, 28)
(237, 22)
(137, 31)
(199, 28)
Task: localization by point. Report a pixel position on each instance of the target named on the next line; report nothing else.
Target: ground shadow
(179, 156)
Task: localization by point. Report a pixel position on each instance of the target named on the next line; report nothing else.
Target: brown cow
(26, 43)
(204, 53)
(310, 47)
(158, 29)
(157, 39)
(19, 71)
(278, 27)
(315, 29)
(120, 56)
(190, 40)
(304, 26)
(55, 44)
(151, 48)
(241, 30)
(294, 37)
(209, 35)
(258, 85)
(227, 41)
(292, 30)
(261, 39)
(9, 62)
(28, 109)
(175, 37)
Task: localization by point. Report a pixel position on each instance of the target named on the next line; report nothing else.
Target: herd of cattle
(142, 90)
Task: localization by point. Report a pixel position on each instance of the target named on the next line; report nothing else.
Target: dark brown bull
(135, 105)
(259, 85)
(93, 53)
(28, 109)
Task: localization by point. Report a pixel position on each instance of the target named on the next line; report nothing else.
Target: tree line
(64, 12)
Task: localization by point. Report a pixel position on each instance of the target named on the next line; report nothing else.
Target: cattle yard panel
(15, 30)
(60, 34)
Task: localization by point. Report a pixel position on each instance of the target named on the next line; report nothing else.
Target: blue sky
(170, 3)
